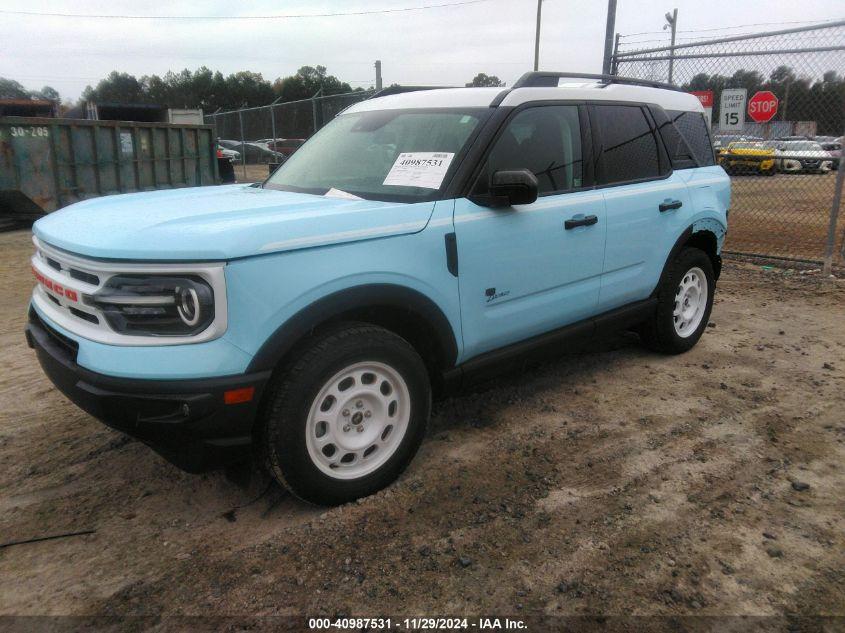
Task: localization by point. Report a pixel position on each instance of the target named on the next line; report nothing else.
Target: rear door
(522, 271)
(646, 203)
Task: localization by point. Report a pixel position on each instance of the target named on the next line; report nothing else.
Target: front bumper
(187, 421)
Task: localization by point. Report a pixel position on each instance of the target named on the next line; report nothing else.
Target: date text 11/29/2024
(417, 624)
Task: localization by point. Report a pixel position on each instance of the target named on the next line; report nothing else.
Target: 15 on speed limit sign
(732, 110)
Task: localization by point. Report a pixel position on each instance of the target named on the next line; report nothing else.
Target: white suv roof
(484, 97)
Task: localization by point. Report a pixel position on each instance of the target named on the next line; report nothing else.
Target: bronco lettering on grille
(56, 287)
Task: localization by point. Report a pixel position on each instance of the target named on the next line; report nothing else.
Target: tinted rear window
(687, 140)
(628, 146)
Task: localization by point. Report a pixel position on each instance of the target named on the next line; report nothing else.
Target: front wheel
(685, 299)
(345, 417)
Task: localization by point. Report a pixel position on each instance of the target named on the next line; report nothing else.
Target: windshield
(802, 147)
(359, 154)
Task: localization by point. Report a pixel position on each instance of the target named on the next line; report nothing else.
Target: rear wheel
(685, 299)
(347, 415)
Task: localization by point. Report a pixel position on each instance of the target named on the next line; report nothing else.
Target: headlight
(156, 305)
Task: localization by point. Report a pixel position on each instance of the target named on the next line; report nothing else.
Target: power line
(286, 16)
(700, 40)
(738, 26)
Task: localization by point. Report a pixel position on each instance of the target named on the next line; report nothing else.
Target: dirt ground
(785, 215)
(612, 482)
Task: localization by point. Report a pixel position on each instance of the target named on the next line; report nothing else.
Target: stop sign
(762, 106)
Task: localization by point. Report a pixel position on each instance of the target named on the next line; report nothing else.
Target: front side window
(628, 148)
(357, 153)
(545, 140)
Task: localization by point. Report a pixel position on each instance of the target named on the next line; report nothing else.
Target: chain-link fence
(786, 172)
(267, 135)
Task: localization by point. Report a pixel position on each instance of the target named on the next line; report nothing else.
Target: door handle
(668, 205)
(574, 223)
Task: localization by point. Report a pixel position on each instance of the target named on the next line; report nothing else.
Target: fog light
(188, 306)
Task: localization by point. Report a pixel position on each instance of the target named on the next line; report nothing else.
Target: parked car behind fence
(745, 157)
(802, 156)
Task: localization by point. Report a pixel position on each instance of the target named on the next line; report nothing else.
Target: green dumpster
(46, 164)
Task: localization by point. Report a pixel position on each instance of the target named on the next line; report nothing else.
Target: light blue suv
(417, 241)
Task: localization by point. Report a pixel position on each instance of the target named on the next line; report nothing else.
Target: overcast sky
(444, 46)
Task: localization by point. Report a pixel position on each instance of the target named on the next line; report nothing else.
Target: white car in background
(802, 156)
(230, 154)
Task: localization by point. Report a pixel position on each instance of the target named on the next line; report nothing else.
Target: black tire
(659, 333)
(293, 389)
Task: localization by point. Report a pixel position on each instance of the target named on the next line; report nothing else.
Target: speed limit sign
(732, 110)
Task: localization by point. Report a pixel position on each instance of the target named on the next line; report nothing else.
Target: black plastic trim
(551, 343)
(360, 297)
(186, 421)
(451, 253)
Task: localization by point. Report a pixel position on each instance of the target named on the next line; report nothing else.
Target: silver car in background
(802, 156)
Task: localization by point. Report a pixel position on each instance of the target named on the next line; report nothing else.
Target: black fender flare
(349, 300)
(682, 241)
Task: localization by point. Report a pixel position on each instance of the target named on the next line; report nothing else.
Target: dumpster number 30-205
(33, 132)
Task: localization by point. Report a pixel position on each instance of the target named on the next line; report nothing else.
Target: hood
(752, 151)
(220, 223)
(803, 153)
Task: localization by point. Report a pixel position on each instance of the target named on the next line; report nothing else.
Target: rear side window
(628, 147)
(687, 140)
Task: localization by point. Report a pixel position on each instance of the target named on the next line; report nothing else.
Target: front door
(522, 272)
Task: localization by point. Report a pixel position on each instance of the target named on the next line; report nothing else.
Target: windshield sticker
(419, 169)
(339, 193)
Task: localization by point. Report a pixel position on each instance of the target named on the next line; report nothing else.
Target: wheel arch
(706, 235)
(402, 310)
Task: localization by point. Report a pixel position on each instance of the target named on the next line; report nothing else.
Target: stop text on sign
(763, 106)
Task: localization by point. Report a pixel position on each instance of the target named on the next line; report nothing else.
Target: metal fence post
(613, 64)
(273, 124)
(834, 215)
(243, 142)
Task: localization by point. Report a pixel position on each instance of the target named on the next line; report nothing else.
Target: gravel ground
(613, 481)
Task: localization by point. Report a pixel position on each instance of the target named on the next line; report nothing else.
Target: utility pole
(378, 75)
(537, 36)
(608, 36)
(672, 21)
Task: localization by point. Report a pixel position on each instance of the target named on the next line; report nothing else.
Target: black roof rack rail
(546, 79)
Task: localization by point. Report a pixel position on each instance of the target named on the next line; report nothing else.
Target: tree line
(799, 98)
(212, 91)
(11, 89)
(207, 89)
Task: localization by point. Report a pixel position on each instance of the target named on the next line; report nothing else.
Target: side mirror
(510, 187)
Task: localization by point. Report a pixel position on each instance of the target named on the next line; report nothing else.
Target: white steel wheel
(690, 302)
(358, 420)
